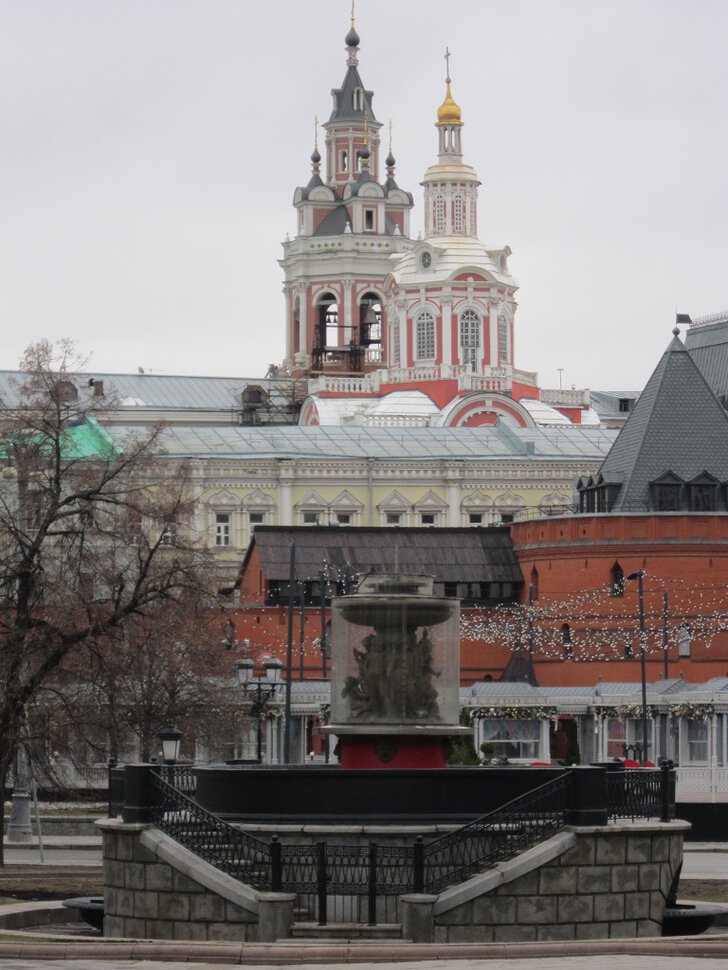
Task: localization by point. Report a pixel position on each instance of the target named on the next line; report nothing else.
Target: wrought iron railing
(495, 837)
(181, 777)
(223, 846)
(348, 883)
(641, 793)
(362, 883)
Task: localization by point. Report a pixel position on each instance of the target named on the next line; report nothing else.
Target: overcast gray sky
(150, 149)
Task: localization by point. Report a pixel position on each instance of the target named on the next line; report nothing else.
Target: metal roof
(331, 443)
(707, 343)
(677, 425)
(154, 391)
(450, 555)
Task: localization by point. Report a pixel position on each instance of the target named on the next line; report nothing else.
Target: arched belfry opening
(370, 326)
(335, 343)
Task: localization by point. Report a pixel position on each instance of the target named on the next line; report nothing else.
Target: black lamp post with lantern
(258, 692)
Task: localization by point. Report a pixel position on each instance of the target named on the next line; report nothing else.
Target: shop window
(512, 738)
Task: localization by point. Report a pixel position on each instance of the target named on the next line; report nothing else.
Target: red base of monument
(392, 751)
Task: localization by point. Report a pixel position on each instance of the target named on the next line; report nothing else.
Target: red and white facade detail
(392, 331)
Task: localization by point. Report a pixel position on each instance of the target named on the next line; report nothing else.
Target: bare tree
(166, 668)
(93, 533)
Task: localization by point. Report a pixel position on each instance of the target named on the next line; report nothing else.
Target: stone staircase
(343, 932)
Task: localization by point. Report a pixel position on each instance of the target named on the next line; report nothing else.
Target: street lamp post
(171, 739)
(639, 575)
(258, 693)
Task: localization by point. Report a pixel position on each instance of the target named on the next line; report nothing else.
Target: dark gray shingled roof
(450, 555)
(334, 223)
(344, 109)
(677, 425)
(708, 346)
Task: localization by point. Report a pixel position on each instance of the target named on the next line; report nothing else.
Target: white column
(446, 328)
(453, 502)
(285, 495)
(288, 348)
(402, 312)
(302, 317)
(347, 317)
(545, 754)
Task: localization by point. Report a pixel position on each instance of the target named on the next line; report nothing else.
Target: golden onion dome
(449, 112)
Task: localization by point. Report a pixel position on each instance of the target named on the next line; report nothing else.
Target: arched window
(370, 320)
(458, 213)
(504, 347)
(439, 213)
(566, 641)
(328, 322)
(616, 580)
(470, 339)
(533, 583)
(425, 336)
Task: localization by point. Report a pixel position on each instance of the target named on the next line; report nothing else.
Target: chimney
(98, 388)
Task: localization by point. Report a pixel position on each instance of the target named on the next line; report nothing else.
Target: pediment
(431, 501)
(258, 499)
(345, 500)
(704, 478)
(312, 500)
(395, 502)
(398, 196)
(478, 500)
(668, 478)
(371, 191)
(554, 499)
(510, 500)
(223, 498)
(321, 194)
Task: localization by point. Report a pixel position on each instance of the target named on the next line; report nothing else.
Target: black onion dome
(315, 156)
(389, 159)
(364, 152)
(352, 38)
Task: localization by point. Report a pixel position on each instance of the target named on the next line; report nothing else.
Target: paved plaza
(708, 861)
(598, 962)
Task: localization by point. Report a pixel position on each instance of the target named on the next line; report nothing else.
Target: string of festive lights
(582, 626)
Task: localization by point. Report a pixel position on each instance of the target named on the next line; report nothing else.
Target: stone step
(347, 931)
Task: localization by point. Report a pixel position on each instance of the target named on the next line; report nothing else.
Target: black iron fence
(362, 883)
(641, 793)
(223, 846)
(501, 835)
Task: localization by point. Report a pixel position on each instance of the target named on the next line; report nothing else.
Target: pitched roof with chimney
(677, 429)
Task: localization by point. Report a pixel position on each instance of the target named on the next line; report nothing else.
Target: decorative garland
(540, 713)
(625, 712)
(693, 712)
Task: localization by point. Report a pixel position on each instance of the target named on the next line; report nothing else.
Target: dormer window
(369, 220)
(666, 493)
(703, 491)
(358, 99)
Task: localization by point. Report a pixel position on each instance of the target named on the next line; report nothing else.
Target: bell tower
(348, 226)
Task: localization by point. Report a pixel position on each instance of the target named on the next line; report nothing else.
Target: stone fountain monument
(395, 673)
